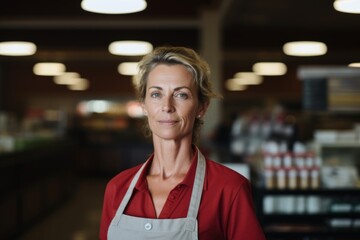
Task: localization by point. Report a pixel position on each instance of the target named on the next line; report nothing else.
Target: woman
(177, 193)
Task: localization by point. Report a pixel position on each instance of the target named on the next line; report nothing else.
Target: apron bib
(136, 228)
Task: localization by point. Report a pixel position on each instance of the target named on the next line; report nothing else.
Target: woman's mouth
(168, 122)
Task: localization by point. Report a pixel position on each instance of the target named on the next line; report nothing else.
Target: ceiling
(262, 27)
(252, 30)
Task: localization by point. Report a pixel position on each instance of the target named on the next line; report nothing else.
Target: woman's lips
(168, 122)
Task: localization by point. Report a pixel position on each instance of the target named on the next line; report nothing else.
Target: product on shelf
(291, 170)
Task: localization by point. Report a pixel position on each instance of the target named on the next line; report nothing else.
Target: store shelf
(294, 234)
(309, 224)
(307, 216)
(319, 192)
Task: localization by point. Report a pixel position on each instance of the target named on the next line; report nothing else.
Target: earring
(199, 116)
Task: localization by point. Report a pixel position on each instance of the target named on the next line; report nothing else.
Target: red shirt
(226, 208)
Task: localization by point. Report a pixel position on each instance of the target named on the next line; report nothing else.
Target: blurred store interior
(294, 134)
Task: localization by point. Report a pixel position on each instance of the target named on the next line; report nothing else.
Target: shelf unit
(310, 225)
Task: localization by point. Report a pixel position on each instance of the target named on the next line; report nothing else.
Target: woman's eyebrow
(176, 89)
(179, 88)
(156, 87)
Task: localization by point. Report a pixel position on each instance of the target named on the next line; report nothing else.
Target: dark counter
(34, 182)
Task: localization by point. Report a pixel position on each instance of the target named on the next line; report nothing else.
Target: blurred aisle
(77, 219)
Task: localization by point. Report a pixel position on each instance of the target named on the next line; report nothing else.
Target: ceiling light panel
(269, 68)
(305, 48)
(49, 69)
(247, 78)
(130, 48)
(355, 64)
(79, 84)
(232, 85)
(66, 78)
(113, 6)
(17, 48)
(347, 6)
(128, 68)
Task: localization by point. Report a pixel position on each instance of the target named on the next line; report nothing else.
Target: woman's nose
(167, 105)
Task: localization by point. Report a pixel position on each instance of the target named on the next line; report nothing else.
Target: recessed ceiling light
(17, 48)
(49, 69)
(113, 6)
(130, 48)
(305, 48)
(128, 68)
(347, 6)
(269, 68)
(355, 64)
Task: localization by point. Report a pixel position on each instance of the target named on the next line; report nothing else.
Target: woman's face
(171, 102)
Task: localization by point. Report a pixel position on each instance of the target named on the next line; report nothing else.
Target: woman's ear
(143, 109)
(202, 109)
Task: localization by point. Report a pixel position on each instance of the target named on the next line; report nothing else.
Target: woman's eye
(182, 95)
(155, 95)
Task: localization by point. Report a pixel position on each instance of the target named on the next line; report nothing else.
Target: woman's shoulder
(217, 172)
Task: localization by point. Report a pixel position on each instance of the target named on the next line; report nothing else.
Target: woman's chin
(170, 136)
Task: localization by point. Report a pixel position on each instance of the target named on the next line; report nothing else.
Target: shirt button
(148, 226)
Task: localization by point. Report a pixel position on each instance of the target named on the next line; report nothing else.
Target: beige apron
(136, 228)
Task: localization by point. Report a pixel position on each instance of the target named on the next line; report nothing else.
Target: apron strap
(197, 187)
(127, 196)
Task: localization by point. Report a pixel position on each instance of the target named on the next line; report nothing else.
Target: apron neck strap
(129, 192)
(197, 187)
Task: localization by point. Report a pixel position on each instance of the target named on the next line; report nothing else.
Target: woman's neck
(171, 158)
